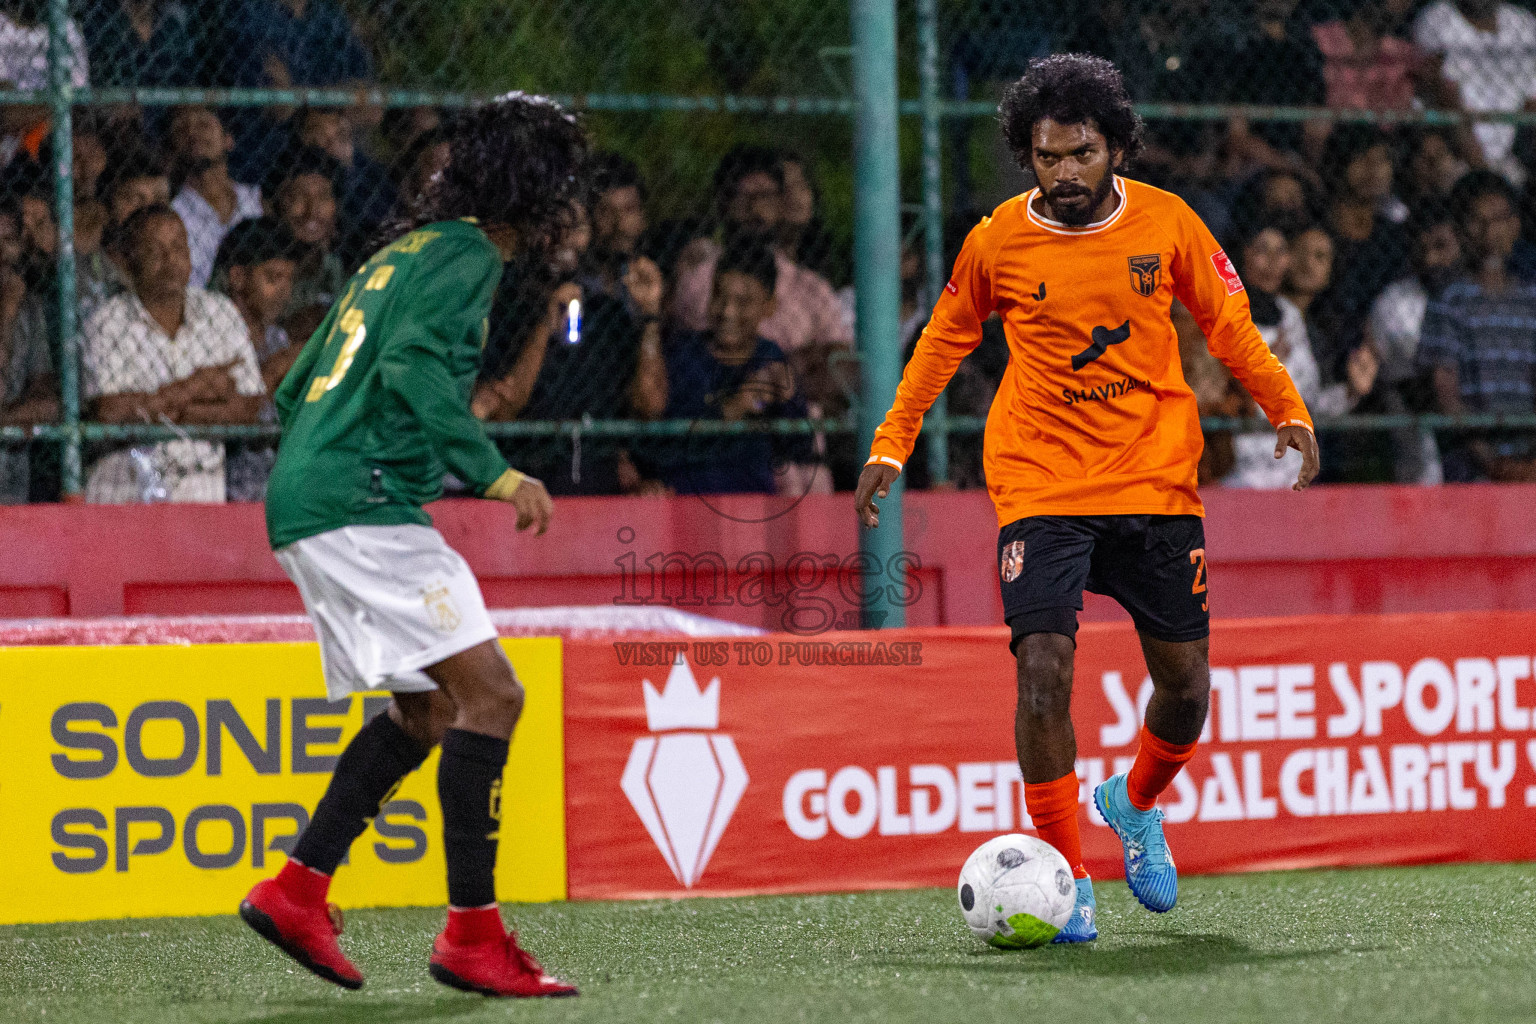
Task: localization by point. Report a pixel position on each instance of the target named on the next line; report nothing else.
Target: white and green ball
(1016, 892)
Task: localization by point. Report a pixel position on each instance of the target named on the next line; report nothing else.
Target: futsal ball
(1016, 892)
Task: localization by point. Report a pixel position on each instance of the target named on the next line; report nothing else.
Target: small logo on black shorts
(1013, 561)
(1144, 270)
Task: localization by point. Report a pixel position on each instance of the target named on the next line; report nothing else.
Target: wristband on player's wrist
(504, 486)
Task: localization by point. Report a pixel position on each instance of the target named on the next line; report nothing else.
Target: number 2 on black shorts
(1197, 559)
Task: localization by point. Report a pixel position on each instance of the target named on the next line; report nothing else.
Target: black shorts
(1153, 565)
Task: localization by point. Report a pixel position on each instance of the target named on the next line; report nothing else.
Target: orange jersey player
(1093, 440)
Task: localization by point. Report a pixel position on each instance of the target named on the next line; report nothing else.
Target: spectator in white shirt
(1397, 315)
(1488, 58)
(24, 46)
(24, 61)
(166, 353)
(210, 202)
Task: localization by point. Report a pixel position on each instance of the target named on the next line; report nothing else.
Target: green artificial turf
(1421, 944)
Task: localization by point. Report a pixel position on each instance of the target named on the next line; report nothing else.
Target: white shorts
(386, 601)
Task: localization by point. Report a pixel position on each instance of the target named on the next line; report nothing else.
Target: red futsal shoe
(475, 954)
(302, 925)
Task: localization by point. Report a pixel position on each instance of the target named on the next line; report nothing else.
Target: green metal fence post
(61, 95)
(936, 423)
(877, 277)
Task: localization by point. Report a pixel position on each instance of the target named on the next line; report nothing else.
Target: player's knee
(424, 716)
(498, 698)
(1045, 674)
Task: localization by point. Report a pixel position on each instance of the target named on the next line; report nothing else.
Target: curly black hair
(1070, 88)
(517, 160)
(1476, 185)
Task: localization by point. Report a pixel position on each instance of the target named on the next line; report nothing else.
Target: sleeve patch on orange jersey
(1227, 271)
(950, 287)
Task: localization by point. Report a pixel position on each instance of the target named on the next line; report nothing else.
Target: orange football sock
(1157, 762)
(1053, 808)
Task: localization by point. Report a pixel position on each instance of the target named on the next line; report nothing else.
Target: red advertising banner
(879, 760)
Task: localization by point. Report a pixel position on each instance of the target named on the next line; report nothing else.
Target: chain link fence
(230, 162)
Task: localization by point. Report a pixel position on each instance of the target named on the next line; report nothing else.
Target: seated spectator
(731, 372)
(367, 192)
(28, 388)
(133, 180)
(282, 44)
(210, 201)
(89, 154)
(142, 43)
(1366, 63)
(301, 192)
(1171, 51)
(802, 236)
(286, 43)
(1271, 60)
(1432, 165)
(1487, 51)
(1393, 331)
(96, 277)
(1309, 270)
(749, 190)
(618, 222)
(417, 164)
(255, 269)
(1478, 341)
(1264, 258)
(806, 322)
(1274, 195)
(1397, 315)
(1370, 248)
(24, 67)
(1350, 457)
(402, 126)
(165, 352)
(607, 365)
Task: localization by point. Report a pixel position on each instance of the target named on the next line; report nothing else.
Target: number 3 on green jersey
(353, 329)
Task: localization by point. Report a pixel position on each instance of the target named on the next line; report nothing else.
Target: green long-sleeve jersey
(377, 406)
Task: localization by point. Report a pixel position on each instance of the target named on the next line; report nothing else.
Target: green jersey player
(374, 412)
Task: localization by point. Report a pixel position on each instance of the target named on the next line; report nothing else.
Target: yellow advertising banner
(156, 781)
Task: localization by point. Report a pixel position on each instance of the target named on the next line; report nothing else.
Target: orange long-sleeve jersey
(1093, 416)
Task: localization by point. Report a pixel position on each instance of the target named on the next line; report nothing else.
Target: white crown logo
(682, 705)
(684, 785)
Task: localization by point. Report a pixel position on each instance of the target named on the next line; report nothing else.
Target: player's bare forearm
(136, 406)
(233, 410)
(874, 481)
(1303, 440)
(648, 390)
(513, 391)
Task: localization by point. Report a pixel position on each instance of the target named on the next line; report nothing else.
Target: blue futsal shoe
(1080, 927)
(1149, 869)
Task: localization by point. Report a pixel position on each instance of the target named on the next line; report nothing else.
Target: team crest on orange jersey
(1144, 272)
(1013, 561)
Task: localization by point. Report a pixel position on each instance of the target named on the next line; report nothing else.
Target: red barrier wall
(1335, 550)
(1331, 741)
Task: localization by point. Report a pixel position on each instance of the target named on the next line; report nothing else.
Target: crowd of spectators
(1388, 267)
(1392, 269)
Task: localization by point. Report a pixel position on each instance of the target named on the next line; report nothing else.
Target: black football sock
(469, 786)
(379, 756)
